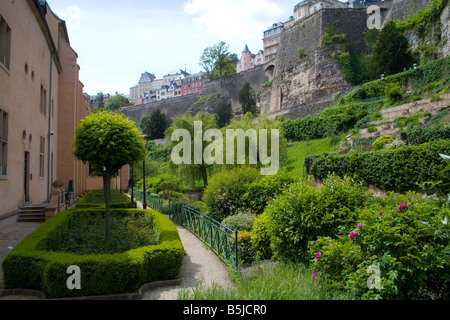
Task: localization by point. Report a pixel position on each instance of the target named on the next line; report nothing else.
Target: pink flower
(314, 275)
(359, 225)
(318, 255)
(381, 213)
(352, 234)
(314, 242)
(402, 207)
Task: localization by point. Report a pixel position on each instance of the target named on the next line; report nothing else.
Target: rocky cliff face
(304, 86)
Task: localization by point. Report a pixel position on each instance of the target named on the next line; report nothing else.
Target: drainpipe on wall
(50, 110)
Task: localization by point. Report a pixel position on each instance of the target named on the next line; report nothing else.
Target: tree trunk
(107, 194)
(204, 175)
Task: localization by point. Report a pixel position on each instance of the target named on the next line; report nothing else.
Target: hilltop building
(249, 60)
(308, 7)
(271, 39)
(150, 89)
(193, 83)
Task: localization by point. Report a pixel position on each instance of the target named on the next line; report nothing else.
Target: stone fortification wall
(230, 86)
(307, 33)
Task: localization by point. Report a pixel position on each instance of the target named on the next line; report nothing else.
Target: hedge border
(31, 266)
(395, 170)
(83, 203)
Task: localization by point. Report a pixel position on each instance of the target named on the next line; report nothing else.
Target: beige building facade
(41, 104)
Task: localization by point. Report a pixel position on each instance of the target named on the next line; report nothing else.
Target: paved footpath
(200, 266)
(9, 238)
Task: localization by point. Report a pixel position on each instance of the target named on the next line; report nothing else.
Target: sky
(117, 41)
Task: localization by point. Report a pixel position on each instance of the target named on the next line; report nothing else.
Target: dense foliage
(303, 212)
(390, 53)
(401, 169)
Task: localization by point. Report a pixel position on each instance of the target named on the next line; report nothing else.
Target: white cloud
(238, 21)
(73, 17)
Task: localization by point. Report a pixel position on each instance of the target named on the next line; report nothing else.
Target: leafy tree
(371, 37)
(192, 170)
(117, 102)
(100, 100)
(107, 141)
(390, 53)
(217, 61)
(247, 99)
(222, 112)
(155, 125)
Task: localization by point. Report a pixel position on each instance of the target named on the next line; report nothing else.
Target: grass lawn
(299, 150)
(278, 281)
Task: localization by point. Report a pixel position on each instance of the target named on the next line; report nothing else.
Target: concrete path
(200, 267)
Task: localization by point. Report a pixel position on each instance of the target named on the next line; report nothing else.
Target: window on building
(43, 101)
(5, 43)
(3, 143)
(41, 157)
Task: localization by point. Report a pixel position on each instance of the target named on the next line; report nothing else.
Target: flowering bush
(406, 237)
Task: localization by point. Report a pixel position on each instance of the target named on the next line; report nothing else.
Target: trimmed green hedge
(33, 265)
(391, 169)
(95, 199)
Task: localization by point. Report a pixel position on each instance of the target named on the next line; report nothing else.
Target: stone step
(32, 213)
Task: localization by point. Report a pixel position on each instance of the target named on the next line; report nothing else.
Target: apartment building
(272, 38)
(41, 103)
(193, 83)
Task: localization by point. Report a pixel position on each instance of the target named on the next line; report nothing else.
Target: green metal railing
(221, 239)
(154, 202)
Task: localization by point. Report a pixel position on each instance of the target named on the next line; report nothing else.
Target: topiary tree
(108, 141)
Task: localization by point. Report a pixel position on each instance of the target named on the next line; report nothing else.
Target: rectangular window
(41, 157)
(5, 43)
(43, 101)
(3, 143)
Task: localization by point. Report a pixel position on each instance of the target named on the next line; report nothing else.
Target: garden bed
(41, 260)
(96, 199)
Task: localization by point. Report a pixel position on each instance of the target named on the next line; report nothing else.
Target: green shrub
(301, 53)
(397, 169)
(381, 142)
(405, 237)
(393, 92)
(240, 222)
(303, 212)
(245, 250)
(422, 135)
(223, 195)
(264, 190)
(96, 199)
(33, 264)
(260, 237)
